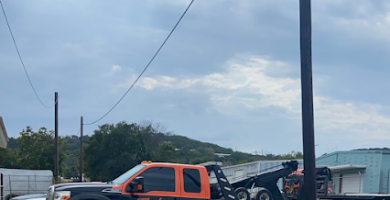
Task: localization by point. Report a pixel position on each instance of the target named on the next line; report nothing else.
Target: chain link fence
(14, 185)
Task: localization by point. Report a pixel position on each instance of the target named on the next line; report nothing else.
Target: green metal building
(358, 171)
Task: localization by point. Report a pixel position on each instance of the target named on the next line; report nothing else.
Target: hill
(113, 149)
(193, 152)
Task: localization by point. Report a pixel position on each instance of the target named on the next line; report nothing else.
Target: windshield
(124, 177)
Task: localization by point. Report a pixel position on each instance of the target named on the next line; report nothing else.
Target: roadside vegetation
(112, 149)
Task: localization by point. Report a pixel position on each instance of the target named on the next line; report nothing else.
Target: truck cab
(166, 180)
(148, 181)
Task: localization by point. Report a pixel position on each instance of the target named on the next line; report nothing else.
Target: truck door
(160, 183)
(192, 185)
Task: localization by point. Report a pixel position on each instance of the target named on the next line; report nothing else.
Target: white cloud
(249, 77)
(362, 119)
(116, 68)
(151, 83)
(246, 85)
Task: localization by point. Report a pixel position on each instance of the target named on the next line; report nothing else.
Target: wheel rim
(242, 196)
(264, 196)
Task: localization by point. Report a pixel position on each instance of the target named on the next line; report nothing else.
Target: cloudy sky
(230, 73)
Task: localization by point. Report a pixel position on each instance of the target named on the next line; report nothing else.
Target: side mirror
(136, 185)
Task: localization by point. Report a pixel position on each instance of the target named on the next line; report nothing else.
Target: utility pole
(56, 136)
(309, 186)
(2, 187)
(81, 149)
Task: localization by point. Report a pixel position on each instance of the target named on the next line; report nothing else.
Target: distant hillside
(193, 152)
(188, 151)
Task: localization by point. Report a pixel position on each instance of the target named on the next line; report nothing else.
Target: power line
(20, 57)
(166, 39)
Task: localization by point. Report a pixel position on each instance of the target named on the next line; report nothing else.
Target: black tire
(264, 195)
(242, 193)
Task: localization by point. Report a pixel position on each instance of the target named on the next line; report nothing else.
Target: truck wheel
(263, 195)
(242, 193)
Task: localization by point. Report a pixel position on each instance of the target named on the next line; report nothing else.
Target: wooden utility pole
(56, 136)
(309, 187)
(81, 149)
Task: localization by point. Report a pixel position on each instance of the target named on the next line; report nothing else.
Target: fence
(24, 184)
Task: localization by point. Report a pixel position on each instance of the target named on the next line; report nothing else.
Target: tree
(7, 158)
(298, 155)
(35, 149)
(114, 149)
(207, 155)
(166, 152)
(13, 143)
(293, 155)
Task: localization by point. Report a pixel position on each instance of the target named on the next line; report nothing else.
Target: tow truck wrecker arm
(226, 187)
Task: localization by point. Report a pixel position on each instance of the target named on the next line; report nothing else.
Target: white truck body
(20, 182)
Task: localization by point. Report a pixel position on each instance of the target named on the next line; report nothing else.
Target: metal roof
(342, 167)
(3, 134)
(360, 151)
(346, 167)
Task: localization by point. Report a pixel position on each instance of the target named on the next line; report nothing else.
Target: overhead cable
(20, 58)
(169, 35)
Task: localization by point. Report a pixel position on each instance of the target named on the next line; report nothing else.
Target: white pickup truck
(18, 182)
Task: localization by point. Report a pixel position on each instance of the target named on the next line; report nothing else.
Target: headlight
(61, 195)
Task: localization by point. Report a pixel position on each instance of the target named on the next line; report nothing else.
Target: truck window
(159, 179)
(191, 178)
(124, 177)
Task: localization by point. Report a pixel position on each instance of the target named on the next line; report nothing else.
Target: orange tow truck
(151, 181)
(167, 181)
